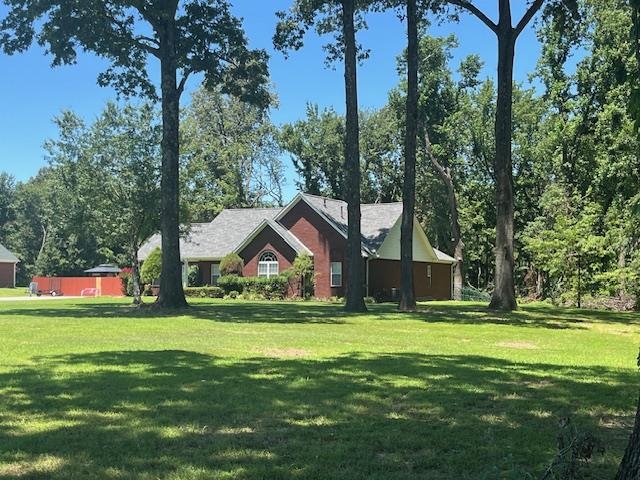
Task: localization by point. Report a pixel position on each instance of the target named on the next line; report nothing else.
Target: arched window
(268, 265)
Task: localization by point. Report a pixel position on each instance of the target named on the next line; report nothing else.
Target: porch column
(185, 274)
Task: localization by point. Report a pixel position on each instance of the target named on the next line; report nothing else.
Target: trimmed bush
(231, 264)
(230, 283)
(270, 288)
(152, 266)
(204, 292)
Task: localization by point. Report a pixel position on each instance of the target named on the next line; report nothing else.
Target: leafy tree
(231, 155)
(7, 192)
(123, 144)
(341, 18)
(231, 264)
(27, 232)
(316, 145)
(151, 269)
(190, 37)
(503, 297)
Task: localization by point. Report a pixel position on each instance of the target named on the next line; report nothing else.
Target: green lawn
(92, 388)
(13, 292)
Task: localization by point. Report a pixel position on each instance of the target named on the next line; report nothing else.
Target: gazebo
(104, 270)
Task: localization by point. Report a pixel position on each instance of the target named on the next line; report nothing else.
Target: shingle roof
(377, 219)
(231, 228)
(104, 268)
(216, 239)
(6, 256)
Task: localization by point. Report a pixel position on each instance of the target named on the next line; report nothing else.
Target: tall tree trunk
(171, 291)
(456, 236)
(355, 263)
(504, 295)
(135, 275)
(629, 468)
(407, 290)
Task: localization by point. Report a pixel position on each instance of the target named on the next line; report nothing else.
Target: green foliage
(302, 272)
(97, 201)
(317, 151)
(204, 292)
(230, 155)
(274, 287)
(231, 264)
(193, 276)
(207, 33)
(127, 283)
(152, 266)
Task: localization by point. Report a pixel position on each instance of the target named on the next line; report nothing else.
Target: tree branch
(150, 45)
(526, 18)
(183, 81)
(470, 7)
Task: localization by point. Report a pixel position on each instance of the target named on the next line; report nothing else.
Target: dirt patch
(519, 345)
(286, 352)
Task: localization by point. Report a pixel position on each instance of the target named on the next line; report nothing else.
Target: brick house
(269, 239)
(8, 262)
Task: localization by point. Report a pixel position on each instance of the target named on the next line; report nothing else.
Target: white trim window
(268, 265)
(215, 273)
(336, 274)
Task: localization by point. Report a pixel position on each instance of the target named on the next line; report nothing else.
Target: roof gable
(214, 240)
(285, 234)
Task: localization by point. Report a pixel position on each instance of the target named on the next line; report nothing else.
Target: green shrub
(301, 273)
(152, 266)
(127, 284)
(275, 287)
(229, 283)
(193, 278)
(204, 292)
(231, 264)
(232, 295)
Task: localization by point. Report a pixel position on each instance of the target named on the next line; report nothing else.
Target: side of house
(268, 240)
(8, 265)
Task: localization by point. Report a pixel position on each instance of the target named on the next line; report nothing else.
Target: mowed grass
(13, 292)
(95, 389)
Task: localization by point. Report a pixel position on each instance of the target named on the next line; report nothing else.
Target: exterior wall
(269, 240)
(384, 275)
(422, 250)
(108, 286)
(6, 275)
(324, 241)
(205, 271)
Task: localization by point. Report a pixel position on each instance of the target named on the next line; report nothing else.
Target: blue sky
(33, 92)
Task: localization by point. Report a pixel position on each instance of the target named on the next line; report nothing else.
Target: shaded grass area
(95, 389)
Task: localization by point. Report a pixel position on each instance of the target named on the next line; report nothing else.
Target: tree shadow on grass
(179, 415)
(220, 311)
(532, 315)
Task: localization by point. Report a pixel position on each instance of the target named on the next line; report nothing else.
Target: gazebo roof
(104, 268)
